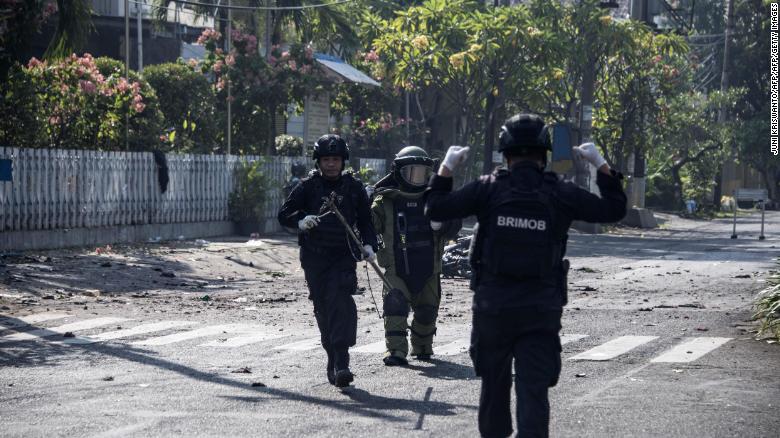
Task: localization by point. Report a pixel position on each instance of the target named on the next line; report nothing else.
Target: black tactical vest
(330, 234)
(520, 237)
(413, 246)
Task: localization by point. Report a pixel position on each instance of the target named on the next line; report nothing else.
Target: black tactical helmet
(330, 145)
(412, 168)
(524, 133)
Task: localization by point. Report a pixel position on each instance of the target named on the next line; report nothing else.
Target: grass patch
(768, 308)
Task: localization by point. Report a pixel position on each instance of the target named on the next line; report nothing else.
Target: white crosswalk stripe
(453, 348)
(238, 335)
(690, 350)
(374, 347)
(20, 321)
(130, 332)
(614, 348)
(264, 334)
(304, 345)
(72, 327)
(567, 338)
(193, 334)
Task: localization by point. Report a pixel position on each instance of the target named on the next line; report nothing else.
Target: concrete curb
(64, 238)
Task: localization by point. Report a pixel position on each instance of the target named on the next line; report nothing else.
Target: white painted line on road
(192, 334)
(252, 338)
(72, 327)
(14, 321)
(691, 350)
(374, 347)
(306, 344)
(567, 338)
(457, 347)
(614, 348)
(126, 333)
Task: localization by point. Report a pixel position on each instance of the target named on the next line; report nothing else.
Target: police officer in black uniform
(519, 282)
(328, 256)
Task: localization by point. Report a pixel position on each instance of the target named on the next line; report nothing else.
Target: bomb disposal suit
(328, 257)
(519, 278)
(411, 255)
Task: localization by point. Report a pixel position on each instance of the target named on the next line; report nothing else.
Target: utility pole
(725, 181)
(638, 184)
(490, 122)
(140, 37)
(228, 37)
(127, 70)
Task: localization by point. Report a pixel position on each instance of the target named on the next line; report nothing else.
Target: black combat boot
(343, 375)
(393, 360)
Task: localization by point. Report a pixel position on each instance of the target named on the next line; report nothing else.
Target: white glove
(370, 191)
(435, 226)
(368, 253)
(308, 222)
(455, 156)
(589, 152)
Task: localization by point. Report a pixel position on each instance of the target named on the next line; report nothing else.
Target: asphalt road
(218, 339)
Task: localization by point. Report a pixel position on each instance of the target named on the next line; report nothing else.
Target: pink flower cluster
(209, 35)
(74, 76)
(371, 56)
(244, 42)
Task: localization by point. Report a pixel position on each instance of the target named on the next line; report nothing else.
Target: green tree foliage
(689, 145)
(288, 145)
(470, 54)
(750, 71)
(187, 102)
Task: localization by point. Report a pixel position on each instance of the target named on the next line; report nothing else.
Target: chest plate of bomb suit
(413, 242)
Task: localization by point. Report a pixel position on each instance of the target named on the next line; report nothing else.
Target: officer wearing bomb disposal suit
(519, 285)
(328, 256)
(411, 255)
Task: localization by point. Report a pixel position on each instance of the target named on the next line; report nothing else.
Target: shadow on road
(361, 402)
(445, 370)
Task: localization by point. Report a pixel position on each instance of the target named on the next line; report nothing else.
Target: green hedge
(187, 102)
(80, 103)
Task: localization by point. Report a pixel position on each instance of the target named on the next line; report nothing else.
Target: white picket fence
(64, 189)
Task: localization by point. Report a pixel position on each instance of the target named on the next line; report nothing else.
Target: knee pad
(426, 314)
(395, 304)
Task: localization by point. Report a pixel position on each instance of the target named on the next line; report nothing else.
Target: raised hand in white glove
(589, 152)
(308, 222)
(435, 226)
(368, 253)
(455, 156)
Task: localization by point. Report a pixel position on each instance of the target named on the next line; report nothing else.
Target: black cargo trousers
(331, 279)
(530, 338)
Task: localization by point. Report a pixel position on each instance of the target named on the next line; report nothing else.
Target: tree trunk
(677, 193)
(487, 165)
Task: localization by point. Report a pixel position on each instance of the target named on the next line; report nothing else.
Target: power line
(259, 8)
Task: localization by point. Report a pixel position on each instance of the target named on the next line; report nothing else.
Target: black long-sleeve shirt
(297, 206)
(571, 203)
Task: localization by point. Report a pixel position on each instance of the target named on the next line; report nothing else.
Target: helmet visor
(416, 174)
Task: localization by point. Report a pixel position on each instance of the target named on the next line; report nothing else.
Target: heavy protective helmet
(524, 133)
(412, 168)
(330, 145)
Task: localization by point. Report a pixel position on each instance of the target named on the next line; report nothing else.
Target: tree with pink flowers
(81, 102)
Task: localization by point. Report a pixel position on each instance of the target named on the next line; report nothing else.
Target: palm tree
(74, 24)
(19, 24)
